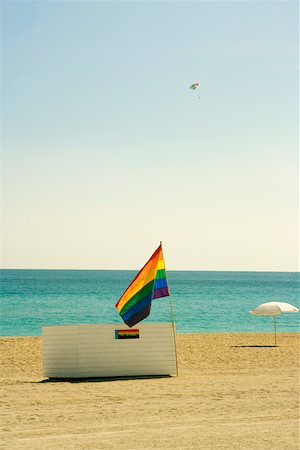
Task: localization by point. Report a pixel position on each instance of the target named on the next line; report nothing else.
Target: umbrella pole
(275, 330)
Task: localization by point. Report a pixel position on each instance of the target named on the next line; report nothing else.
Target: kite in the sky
(194, 86)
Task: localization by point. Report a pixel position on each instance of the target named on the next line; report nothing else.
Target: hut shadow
(99, 379)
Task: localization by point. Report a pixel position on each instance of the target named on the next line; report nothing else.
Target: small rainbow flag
(149, 283)
(127, 334)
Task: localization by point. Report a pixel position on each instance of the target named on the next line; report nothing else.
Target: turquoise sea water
(202, 301)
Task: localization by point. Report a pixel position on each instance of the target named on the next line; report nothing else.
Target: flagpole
(172, 316)
(275, 330)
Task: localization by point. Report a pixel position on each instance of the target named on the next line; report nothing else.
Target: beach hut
(108, 350)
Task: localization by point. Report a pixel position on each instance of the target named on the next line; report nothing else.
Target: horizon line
(168, 270)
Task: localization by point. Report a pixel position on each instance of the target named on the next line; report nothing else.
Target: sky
(106, 151)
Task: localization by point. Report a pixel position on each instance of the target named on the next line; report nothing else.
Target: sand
(234, 391)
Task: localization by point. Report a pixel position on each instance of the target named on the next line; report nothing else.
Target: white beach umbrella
(273, 309)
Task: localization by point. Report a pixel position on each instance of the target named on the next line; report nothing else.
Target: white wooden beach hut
(102, 350)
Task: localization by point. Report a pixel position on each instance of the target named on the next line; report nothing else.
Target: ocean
(202, 301)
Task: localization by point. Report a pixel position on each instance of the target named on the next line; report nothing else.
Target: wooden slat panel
(66, 373)
(124, 347)
(109, 363)
(121, 373)
(59, 329)
(122, 356)
(60, 357)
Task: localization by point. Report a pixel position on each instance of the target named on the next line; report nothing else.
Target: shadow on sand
(99, 379)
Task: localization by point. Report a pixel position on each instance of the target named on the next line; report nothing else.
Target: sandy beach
(234, 391)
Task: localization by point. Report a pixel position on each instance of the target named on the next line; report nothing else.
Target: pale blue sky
(106, 151)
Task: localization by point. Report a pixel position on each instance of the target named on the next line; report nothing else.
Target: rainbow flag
(127, 334)
(149, 283)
